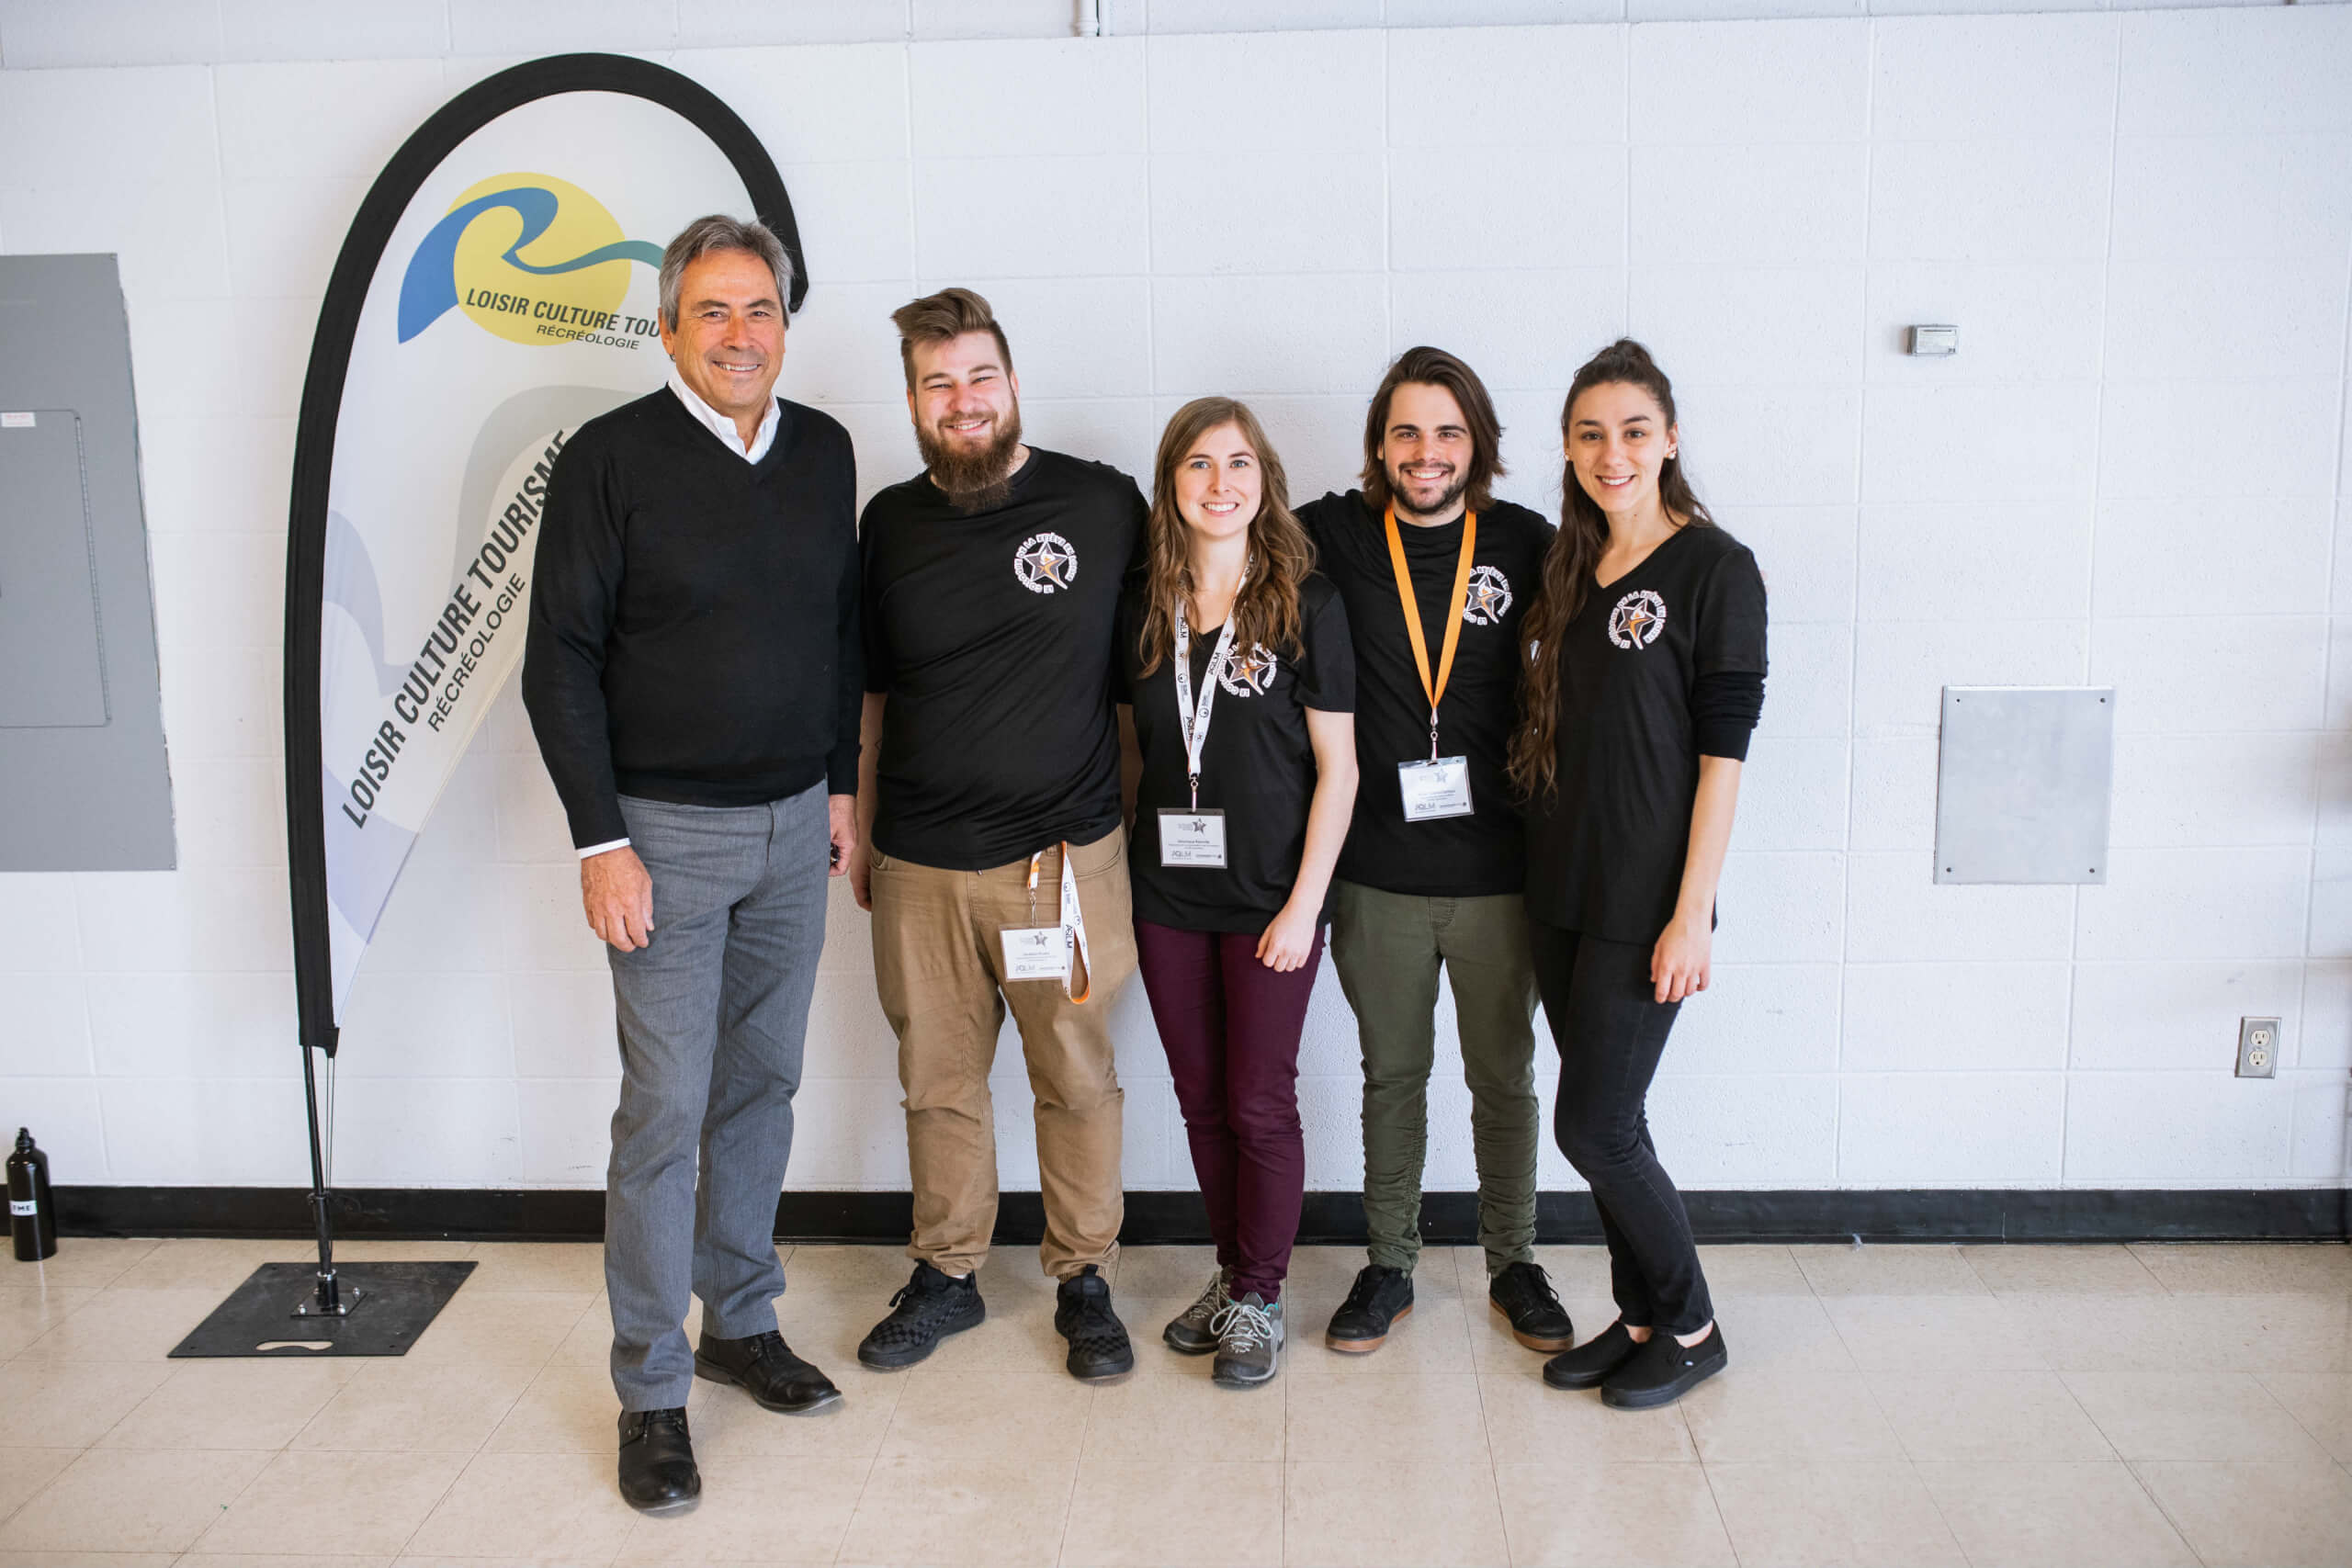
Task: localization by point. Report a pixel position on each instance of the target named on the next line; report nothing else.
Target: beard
(973, 480)
(1444, 500)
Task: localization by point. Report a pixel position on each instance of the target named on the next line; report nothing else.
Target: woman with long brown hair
(1644, 676)
(1242, 680)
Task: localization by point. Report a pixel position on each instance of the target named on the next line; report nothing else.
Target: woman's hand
(1290, 939)
(1679, 962)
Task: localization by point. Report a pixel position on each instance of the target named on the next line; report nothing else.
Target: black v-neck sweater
(693, 617)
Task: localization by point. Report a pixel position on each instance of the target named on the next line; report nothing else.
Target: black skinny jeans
(1611, 1030)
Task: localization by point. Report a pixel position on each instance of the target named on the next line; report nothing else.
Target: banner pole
(330, 1297)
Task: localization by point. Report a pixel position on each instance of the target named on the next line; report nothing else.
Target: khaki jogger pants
(939, 967)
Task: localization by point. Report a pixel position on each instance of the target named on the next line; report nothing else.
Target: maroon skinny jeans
(1231, 1026)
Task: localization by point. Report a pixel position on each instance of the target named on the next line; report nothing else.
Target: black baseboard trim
(1170, 1218)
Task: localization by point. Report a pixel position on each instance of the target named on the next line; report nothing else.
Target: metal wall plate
(2024, 784)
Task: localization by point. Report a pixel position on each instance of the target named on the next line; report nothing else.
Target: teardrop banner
(499, 287)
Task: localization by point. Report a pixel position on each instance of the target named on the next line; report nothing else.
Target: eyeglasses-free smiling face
(967, 407)
(1426, 449)
(728, 342)
(1618, 442)
(1220, 484)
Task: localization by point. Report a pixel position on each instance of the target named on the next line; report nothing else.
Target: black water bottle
(32, 1217)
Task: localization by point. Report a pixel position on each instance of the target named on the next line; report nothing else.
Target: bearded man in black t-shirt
(1436, 574)
(990, 788)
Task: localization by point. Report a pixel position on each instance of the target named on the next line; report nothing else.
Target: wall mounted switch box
(1932, 342)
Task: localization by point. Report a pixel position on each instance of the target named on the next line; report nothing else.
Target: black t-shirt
(990, 633)
(1256, 765)
(1605, 854)
(1447, 857)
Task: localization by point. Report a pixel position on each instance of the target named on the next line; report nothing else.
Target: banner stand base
(275, 1313)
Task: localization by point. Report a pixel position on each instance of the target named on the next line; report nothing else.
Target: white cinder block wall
(2135, 472)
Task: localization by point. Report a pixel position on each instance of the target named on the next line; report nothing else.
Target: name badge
(1036, 953)
(1437, 788)
(1193, 838)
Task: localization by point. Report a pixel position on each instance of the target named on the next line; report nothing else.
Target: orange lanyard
(1434, 689)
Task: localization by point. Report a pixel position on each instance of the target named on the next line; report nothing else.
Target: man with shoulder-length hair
(998, 872)
(1436, 574)
(692, 676)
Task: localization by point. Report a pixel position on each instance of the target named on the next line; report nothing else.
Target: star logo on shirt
(1488, 598)
(1045, 563)
(1637, 620)
(1248, 674)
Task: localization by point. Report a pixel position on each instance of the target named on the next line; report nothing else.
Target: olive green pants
(1388, 948)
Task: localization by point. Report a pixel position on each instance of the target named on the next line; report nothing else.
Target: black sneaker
(1662, 1371)
(764, 1366)
(1523, 1294)
(1589, 1364)
(1379, 1300)
(928, 1308)
(1097, 1340)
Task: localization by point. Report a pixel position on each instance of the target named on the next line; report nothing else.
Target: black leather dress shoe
(765, 1367)
(658, 1474)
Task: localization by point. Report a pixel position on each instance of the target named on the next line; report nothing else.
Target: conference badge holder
(1192, 837)
(1438, 787)
(1043, 953)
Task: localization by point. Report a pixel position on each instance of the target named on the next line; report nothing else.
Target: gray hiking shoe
(1248, 1342)
(1188, 1332)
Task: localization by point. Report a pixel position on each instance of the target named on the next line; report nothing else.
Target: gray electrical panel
(84, 782)
(2025, 780)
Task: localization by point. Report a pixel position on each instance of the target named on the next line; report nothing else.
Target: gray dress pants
(712, 1013)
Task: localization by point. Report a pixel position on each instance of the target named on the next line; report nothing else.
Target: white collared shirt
(723, 427)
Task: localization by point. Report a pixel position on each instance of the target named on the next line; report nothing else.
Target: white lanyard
(1196, 720)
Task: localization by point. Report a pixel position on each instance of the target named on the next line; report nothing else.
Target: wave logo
(571, 283)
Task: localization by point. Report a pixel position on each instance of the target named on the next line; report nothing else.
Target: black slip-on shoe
(1589, 1364)
(1379, 1300)
(763, 1366)
(928, 1308)
(1522, 1293)
(658, 1474)
(1099, 1347)
(1662, 1371)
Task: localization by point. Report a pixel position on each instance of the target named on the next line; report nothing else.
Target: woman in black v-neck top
(1644, 676)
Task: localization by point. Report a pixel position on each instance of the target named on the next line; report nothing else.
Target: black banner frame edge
(322, 406)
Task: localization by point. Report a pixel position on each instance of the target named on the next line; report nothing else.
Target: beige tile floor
(1935, 1404)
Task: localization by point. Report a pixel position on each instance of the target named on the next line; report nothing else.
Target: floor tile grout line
(2132, 1467)
(2272, 1394)
(1937, 1504)
(1707, 1474)
(1077, 1465)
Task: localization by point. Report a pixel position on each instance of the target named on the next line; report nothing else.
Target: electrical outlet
(2258, 1048)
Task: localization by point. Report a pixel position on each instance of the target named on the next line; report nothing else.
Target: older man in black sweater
(695, 679)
